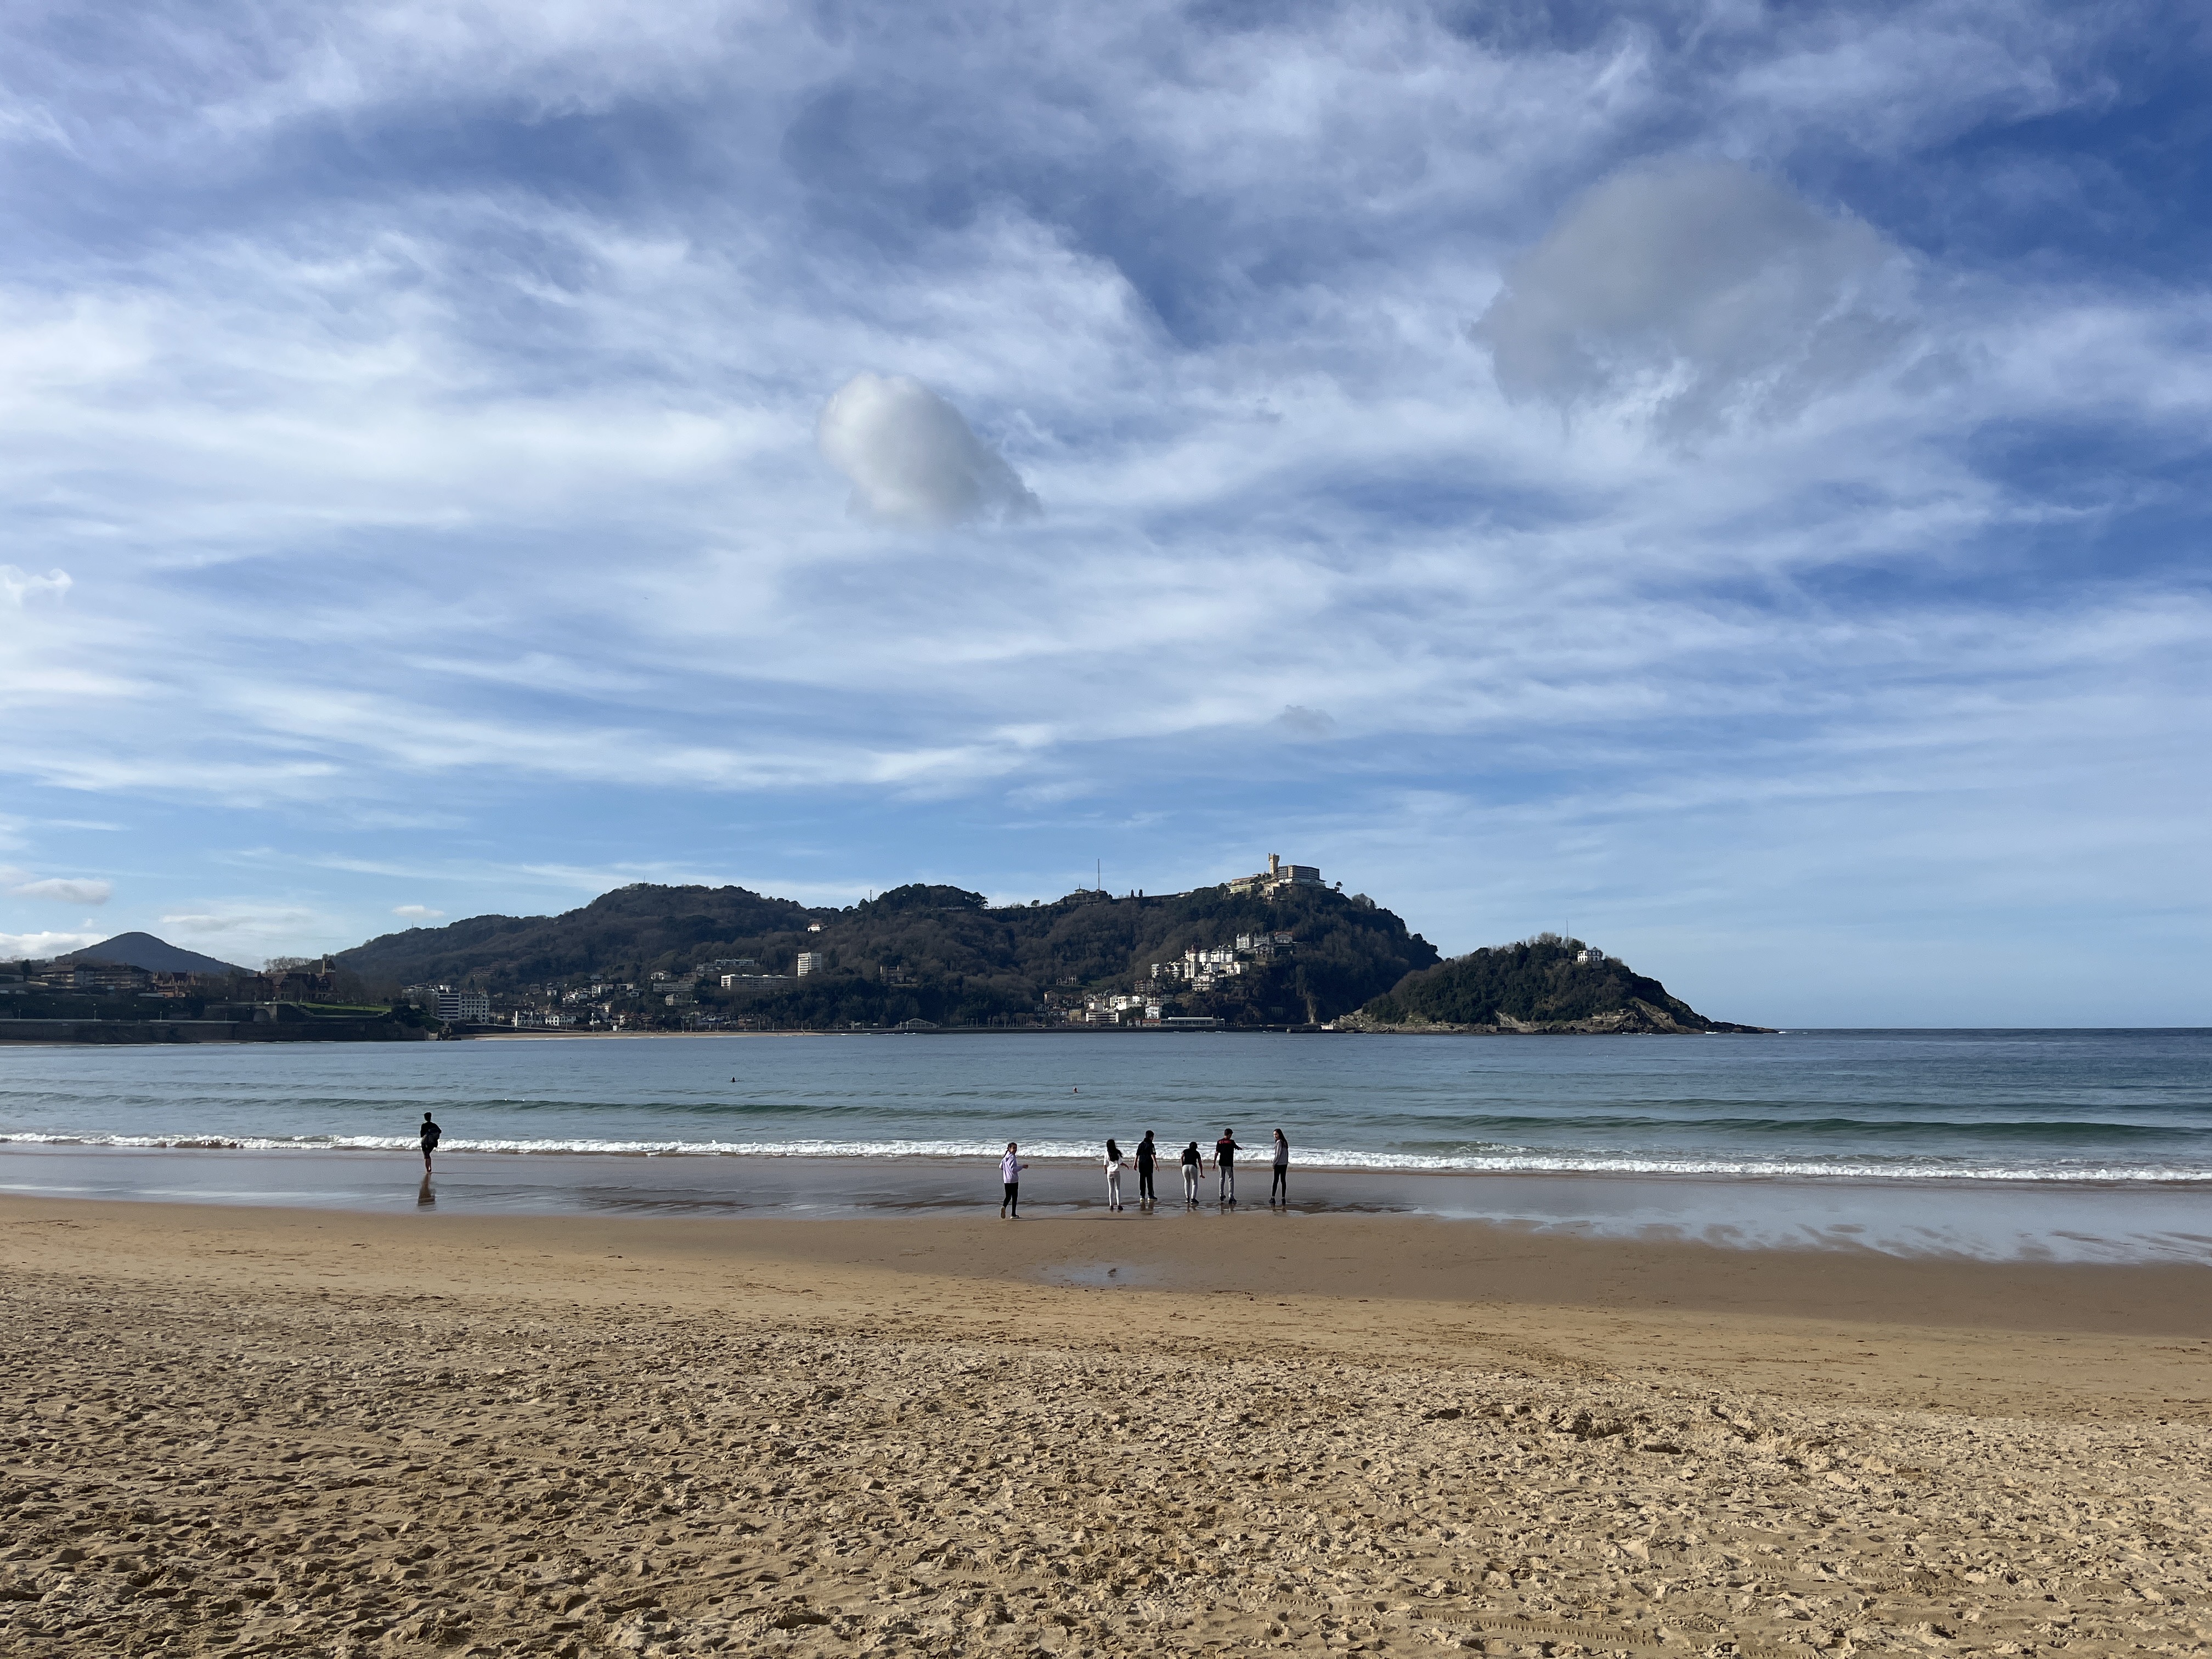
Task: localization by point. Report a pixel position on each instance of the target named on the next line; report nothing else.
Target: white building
(464, 1007)
(813, 961)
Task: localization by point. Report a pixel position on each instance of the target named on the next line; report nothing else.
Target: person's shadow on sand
(424, 1198)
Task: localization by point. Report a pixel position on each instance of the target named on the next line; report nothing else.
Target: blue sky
(1730, 479)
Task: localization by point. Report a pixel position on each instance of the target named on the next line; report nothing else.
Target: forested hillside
(940, 954)
(622, 934)
(1546, 983)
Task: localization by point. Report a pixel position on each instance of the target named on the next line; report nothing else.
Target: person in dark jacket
(431, 1136)
(1224, 1164)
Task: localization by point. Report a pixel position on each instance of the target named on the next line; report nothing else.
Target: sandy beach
(267, 1431)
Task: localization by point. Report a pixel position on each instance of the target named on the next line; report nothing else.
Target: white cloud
(66, 891)
(420, 912)
(911, 458)
(38, 947)
(1695, 290)
(20, 587)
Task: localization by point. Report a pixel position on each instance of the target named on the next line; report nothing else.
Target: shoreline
(1895, 1218)
(165, 1033)
(505, 1034)
(971, 1159)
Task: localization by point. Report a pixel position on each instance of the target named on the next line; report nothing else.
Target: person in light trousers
(1113, 1176)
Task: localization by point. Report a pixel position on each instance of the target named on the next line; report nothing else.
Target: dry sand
(280, 1431)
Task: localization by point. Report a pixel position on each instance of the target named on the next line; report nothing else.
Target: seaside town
(137, 977)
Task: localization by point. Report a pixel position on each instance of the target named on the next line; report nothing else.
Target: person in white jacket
(1010, 1172)
(1113, 1175)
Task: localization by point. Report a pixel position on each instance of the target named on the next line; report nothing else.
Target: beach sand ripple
(767, 1458)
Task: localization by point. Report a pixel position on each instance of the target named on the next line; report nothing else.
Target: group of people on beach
(1147, 1157)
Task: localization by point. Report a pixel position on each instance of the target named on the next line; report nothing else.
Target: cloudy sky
(1731, 480)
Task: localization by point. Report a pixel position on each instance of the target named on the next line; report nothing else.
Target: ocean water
(2131, 1107)
(2094, 1145)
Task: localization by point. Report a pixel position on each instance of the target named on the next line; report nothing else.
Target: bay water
(2091, 1143)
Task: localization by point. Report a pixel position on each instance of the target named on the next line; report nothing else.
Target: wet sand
(1985, 1219)
(267, 1431)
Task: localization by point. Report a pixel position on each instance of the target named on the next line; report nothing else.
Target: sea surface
(2088, 1144)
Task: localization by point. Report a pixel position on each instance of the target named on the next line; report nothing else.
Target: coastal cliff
(1544, 986)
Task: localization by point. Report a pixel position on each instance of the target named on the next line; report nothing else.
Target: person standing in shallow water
(1010, 1174)
(1224, 1164)
(432, 1134)
(1280, 1186)
(1192, 1165)
(1113, 1176)
(1148, 1155)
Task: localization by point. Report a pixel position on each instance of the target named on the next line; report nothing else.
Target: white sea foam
(1495, 1161)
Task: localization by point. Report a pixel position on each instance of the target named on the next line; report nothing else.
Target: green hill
(620, 935)
(940, 954)
(1544, 984)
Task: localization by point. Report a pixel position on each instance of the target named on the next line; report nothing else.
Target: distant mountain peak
(155, 955)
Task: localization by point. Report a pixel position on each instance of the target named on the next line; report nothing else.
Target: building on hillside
(106, 977)
(1278, 875)
(813, 961)
(311, 982)
(1591, 956)
(464, 1007)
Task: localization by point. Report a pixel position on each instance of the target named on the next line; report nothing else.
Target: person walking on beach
(1280, 1186)
(1148, 1155)
(1113, 1175)
(1193, 1163)
(432, 1134)
(1224, 1164)
(1009, 1173)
